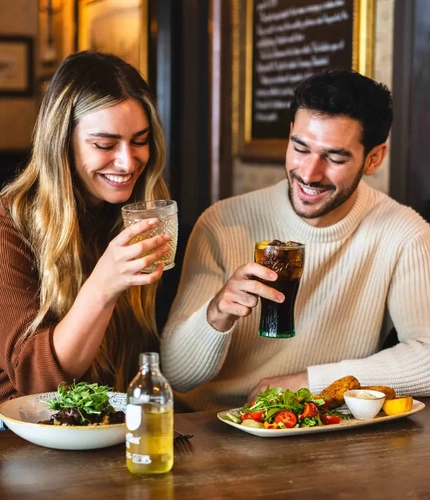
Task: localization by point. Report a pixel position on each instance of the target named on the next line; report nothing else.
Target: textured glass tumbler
(166, 211)
(286, 259)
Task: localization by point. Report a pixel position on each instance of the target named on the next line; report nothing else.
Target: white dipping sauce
(365, 395)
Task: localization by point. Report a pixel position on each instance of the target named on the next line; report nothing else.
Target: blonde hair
(46, 204)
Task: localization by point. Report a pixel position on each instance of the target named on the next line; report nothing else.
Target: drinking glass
(286, 259)
(166, 211)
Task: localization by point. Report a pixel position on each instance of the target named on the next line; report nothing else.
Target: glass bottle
(149, 419)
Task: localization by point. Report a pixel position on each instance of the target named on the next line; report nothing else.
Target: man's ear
(374, 158)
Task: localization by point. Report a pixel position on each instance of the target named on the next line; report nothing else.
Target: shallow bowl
(22, 415)
(361, 407)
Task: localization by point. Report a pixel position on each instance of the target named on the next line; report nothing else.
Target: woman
(74, 303)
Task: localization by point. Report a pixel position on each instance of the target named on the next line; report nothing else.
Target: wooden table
(387, 461)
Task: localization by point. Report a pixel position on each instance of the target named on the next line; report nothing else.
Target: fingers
(242, 287)
(147, 246)
(131, 249)
(141, 264)
(140, 278)
(148, 278)
(240, 295)
(254, 270)
(253, 289)
(130, 232)
(235, 309)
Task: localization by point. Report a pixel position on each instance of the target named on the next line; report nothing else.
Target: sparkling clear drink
(149, 419)
(168, 225)
(286, 259)
(167, 214)
(149, 448)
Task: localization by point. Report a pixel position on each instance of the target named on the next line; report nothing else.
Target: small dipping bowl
(364, 404)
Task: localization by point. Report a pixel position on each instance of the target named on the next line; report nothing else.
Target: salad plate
(343, 425)
(21, 415)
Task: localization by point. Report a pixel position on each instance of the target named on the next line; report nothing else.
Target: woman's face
(111, 150)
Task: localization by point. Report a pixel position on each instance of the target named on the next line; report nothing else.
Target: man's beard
(331, 204)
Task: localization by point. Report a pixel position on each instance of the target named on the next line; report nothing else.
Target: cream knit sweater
(376, 258)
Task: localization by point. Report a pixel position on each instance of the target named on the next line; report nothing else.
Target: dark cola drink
(286, 259)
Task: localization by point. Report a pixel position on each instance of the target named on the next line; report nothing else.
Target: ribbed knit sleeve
(192, 352)
(406, 366)
(27, 364)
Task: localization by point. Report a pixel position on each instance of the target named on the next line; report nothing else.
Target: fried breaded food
(336, 390)
(388, 391)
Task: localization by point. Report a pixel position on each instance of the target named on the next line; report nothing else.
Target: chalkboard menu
(290, 40)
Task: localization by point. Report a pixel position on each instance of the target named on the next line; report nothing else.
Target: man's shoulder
(391, 214)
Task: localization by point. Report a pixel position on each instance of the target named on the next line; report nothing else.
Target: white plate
(344, 424)
(22, 414)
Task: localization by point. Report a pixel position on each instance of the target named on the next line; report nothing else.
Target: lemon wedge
(397, 405)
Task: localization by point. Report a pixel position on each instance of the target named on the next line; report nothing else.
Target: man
(365, 255)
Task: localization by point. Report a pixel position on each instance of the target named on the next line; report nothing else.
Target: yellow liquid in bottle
(149, 447)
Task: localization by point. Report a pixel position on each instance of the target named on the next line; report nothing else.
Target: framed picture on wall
(116, 26)
(16, 66)
(284, 42)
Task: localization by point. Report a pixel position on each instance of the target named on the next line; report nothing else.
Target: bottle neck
(149, 362)
(150, 368)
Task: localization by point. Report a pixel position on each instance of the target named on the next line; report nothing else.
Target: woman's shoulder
(6, 220)
(4, 212)
(8, 229)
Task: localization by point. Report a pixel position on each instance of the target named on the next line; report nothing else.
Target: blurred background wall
(192, 53)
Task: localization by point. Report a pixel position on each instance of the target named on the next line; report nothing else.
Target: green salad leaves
(278, 409)
(274, 400)
(87, 399)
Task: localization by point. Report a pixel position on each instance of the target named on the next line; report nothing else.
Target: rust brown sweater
(27, 365)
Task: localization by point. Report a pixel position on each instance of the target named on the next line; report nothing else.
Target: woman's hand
(120, 267)
(78, 335)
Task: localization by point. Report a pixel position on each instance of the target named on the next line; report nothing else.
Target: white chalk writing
(287, 50)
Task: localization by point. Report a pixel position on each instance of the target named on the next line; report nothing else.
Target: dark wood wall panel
(419, 178)
(410, 145)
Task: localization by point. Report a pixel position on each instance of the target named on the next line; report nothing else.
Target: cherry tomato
(330, 419)
(310, 410)
(288, 418)
(257, 415)
(245, 416)
(253, 415)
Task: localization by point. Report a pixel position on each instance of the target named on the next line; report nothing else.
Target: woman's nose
(124, 158)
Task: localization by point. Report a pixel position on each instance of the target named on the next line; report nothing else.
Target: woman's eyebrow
(108, 135)
(141, 132)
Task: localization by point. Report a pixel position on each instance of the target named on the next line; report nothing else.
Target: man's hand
(240, 295)
(292, 382)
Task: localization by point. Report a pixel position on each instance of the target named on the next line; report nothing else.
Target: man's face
(324, 164)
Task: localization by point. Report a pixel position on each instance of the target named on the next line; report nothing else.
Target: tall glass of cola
(286, 259)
